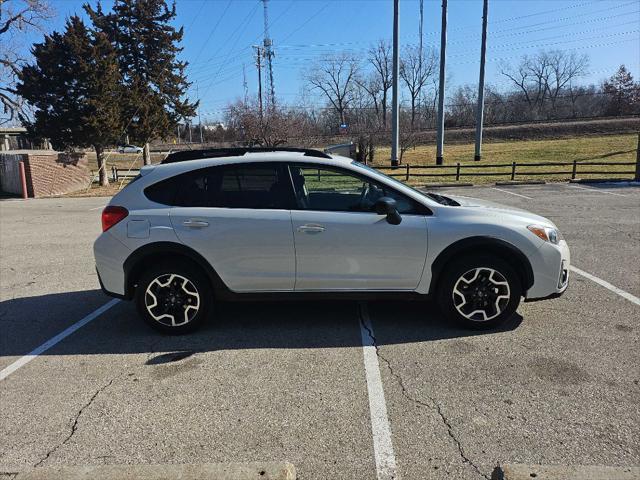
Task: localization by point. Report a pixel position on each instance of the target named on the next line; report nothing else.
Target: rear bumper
(107, 292)
(110, 255)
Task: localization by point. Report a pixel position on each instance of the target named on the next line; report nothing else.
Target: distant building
(15, 138)
(214, 126)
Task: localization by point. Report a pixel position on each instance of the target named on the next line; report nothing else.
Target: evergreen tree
(74, 87)
(623, 93)
(154, 79)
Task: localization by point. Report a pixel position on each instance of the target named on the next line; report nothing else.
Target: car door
(237, 216)
(342, 244)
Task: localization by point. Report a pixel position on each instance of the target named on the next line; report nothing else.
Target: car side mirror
(388, 206)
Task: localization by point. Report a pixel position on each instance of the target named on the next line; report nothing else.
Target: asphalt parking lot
(272, 382)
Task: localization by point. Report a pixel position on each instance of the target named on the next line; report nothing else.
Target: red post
(637, 176)
(23, 181)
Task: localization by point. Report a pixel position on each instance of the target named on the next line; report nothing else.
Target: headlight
(547, 234)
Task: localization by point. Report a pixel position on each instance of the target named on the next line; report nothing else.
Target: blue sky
(219, 34)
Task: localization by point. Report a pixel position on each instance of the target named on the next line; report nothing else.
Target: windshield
(441, 199)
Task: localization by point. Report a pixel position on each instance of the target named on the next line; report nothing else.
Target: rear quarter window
(163, 192)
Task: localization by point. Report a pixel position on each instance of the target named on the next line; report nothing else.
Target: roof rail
(184, 155)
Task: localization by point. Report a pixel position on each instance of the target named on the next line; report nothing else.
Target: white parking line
(597, 191)
(605, 284)
(512, 193)
(22, 361)
(97, 208)
(380, 428)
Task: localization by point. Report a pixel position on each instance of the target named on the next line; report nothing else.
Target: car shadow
(232, 326)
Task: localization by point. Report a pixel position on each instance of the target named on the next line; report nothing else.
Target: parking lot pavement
(286, 381)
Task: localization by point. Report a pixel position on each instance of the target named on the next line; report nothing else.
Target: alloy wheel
(172, 300)
(481, 294)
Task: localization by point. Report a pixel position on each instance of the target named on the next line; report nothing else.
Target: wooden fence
(510, 171)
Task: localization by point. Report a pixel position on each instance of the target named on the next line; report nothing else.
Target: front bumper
(550, 272)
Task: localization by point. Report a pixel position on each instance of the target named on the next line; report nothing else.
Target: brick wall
(53, 173)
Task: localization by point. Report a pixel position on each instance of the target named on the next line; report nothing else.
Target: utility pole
(420, 31)
(245, 86)
(259, 67)
(395, 111)
(199, 118)
(268, 54)
(480, 108)
(443, 56)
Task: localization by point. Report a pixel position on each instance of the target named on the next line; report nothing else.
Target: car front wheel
(479, 292)
(173, 299)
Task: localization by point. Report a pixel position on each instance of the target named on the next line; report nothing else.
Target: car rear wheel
(173, 298)
(479, 292)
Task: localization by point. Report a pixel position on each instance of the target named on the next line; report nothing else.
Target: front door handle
(311, 228)
(195, 223)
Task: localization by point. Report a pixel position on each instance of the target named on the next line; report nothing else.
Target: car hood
(494, 209)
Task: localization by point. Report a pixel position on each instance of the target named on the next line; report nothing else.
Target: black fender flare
(138, 258)
(479, 244)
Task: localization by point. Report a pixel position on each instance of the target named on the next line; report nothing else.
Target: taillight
(112, 215)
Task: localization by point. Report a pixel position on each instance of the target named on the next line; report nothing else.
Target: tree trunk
(146, 154)
(372, 149)
(384, 111)
(413, 110)
(102, 168)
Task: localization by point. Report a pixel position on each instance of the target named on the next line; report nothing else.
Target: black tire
(483, 294)
(182, 294)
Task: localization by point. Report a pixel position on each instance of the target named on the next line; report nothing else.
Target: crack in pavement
(74, 426)
(433, 406)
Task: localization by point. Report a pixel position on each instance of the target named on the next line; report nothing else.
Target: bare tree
(544, 76)
(277, 125)
(409, 136)
(415, 70)
(17, 17)
(371, 86)
(379, 57)
(564, 67)
(335, 78)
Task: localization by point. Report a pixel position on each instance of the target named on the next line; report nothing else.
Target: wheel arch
(151, 253)
(478, 245)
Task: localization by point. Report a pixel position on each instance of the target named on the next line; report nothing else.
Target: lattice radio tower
(268, 55)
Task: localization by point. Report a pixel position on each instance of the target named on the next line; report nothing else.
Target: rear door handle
(311, 228)
(195, 223)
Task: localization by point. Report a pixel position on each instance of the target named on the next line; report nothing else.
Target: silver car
(210, 225)
(129, 149)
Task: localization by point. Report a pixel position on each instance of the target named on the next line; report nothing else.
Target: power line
(511, 19)
(215, 27)
(243, 25)
(514, 45)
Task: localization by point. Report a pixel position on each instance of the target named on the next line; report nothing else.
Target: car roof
(249, 157)
(185, 155)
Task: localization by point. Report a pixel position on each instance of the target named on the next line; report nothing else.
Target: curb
(523, 182)
(604, 180)
(206, 471)
(446, 185)
(554, 472)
